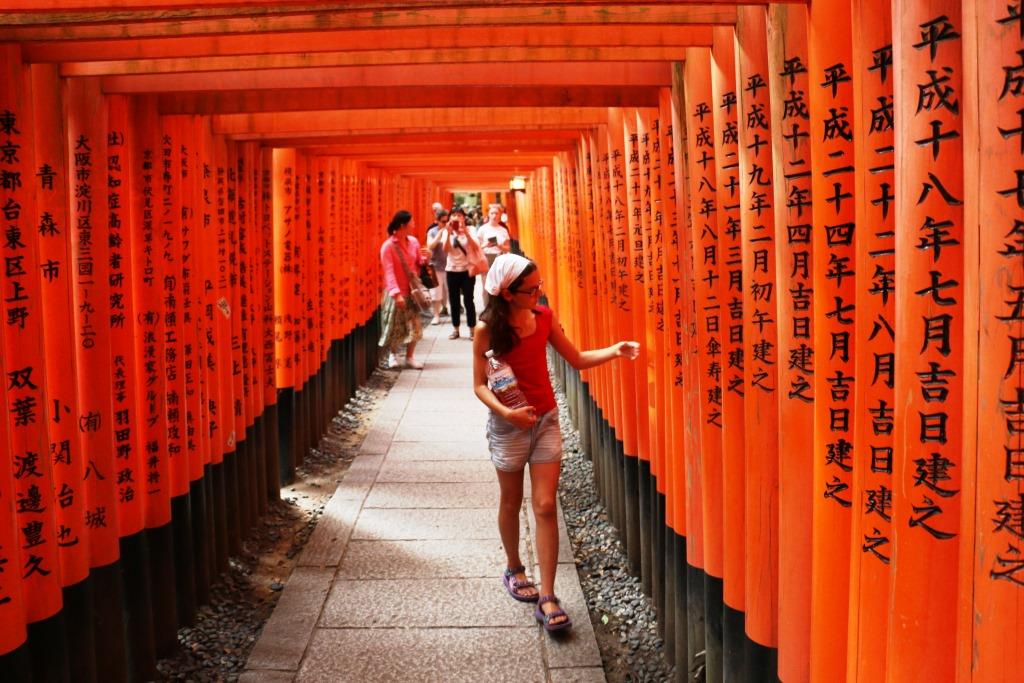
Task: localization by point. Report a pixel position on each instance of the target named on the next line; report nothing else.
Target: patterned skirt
(399, 325)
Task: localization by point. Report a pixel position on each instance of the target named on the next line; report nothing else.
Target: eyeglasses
(532, 290)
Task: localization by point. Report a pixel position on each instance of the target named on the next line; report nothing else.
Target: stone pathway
(401, 579)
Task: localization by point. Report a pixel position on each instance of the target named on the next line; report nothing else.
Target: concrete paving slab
(591, 674)
(436, 471)
(449, 431)
(445, 655)
(456, 401)
(442, 416)
(378, 438)
(287, 633)
(412, 559)
(446, 496)
(266, 677)
(457, 603)
(334, 528)
(418, 450)
(576, 647)
(384, 524)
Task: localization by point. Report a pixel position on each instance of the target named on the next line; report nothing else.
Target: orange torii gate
(811, 214)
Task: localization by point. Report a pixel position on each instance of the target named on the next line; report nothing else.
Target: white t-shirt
(458, 259)
(484, 234)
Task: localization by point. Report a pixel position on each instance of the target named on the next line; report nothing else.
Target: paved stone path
(401, 579)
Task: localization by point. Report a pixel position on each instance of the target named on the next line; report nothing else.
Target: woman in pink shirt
(400, 320)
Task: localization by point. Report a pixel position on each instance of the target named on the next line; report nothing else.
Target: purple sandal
(545, 619)
(514, 585)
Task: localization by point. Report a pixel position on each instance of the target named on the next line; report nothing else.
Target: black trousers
(461, 284)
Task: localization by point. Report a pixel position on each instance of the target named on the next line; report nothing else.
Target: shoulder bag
(477, 259)
(419, 294)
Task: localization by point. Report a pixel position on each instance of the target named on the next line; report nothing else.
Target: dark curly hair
(503, 336)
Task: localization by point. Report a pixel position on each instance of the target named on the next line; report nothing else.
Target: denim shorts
(512, 448)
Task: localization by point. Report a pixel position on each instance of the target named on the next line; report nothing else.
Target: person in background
(518, 329)
(493, 238)
(438, 258)
(455, 239)
(492, 235)
(400, 320)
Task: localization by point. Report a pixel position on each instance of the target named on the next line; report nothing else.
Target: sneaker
(414, 364)
(394, 361)
(436, 320)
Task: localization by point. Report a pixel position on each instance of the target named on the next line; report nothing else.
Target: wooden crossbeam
(295, 99)
(449, 141)
(305, 122)
(361, 58)
(38, 11)
(525, 74)
(109, 25)
(406, 119)
(308, 42)
(273, 138)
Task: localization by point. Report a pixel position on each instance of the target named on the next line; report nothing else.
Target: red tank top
(528, 360)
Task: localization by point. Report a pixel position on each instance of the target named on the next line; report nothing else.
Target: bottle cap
(489, 353)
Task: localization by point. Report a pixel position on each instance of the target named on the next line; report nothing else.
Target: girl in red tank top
(518, 329)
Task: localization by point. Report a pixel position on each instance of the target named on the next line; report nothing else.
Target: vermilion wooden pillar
(674, 224)
(760, 333)
(127, 423)
(927, 64)
(872, 557)
(990, 626)
(708, 333)
(55, 268)
(147, 277)
(833, 217)
(725, 114)
(708, 286)
(87, 133)
(790, 87)
(32, 553)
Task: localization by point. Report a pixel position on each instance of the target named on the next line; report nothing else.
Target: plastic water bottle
(502, 381)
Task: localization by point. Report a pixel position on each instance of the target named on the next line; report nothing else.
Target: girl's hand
(424, 252)
(627, 349)
(523, 418)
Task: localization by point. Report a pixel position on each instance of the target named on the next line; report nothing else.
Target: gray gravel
(217, 646)
(623, 617)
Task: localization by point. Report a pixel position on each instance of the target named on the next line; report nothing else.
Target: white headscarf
(504, 271)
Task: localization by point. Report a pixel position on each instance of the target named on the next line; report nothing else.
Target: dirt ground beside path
(218, 645)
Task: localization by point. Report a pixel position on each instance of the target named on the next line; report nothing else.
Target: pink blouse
(395, 281)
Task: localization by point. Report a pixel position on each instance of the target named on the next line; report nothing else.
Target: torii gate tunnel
(811, 214)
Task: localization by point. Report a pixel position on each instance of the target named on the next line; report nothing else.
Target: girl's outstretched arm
(581, 360)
